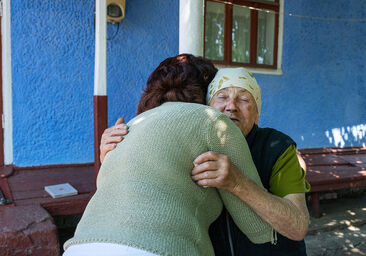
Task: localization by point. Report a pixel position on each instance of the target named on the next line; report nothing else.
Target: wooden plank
(41, 193)
(337, 186)
(228, 33)
(314, 150)
(60, 206)
(332, 169)
(50, 200)
(315, 204)
(30, 184)
(356, 159)
(35, 179)
(349, 150)
(323, 159)
(27, 187)
(345, 150)
(253, 36)
(100, 108)
(67, 207)
(80, 185)
(334, 174)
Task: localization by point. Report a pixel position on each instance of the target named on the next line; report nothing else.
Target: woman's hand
(216, 170)
(111, 136)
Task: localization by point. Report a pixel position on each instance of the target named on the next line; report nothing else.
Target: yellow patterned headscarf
(235, 77)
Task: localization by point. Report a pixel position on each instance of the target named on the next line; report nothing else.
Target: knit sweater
(145, 196)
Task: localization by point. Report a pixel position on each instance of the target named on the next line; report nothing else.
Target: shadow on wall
(350, 135)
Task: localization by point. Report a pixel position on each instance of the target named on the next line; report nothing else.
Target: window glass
(266, 25)
(241, 34)
(214, 34)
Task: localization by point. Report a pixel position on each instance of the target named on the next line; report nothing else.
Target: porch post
(100, 79)
(191, 26)
(7, 120)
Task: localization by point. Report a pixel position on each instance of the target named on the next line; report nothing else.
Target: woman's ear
(256, 118)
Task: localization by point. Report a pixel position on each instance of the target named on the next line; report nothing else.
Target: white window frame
(191, 30)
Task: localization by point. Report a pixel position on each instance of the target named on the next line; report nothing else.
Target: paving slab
(341, 230)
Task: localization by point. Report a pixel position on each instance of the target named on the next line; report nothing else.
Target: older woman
(146, 202)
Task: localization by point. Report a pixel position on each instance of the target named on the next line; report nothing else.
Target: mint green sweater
(145, 197)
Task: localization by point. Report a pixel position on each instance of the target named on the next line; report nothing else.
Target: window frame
(227, 61)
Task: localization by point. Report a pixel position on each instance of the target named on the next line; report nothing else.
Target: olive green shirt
(287, 176)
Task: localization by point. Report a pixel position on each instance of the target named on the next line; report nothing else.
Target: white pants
(107, 249)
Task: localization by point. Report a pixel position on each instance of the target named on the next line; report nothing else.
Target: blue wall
(53, 72)
(319, 99)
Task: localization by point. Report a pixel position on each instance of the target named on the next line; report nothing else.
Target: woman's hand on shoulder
(111, 136)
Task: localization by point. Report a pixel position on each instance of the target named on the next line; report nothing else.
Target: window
(242, 32)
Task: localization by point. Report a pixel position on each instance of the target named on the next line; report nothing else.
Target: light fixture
(115, 10)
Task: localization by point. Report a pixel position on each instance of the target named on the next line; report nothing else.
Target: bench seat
(27, 221)
(27, 187)
(330, 169)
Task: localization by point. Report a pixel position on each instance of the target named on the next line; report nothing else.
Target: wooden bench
(330, 169)
(27, 225)
(27, 187)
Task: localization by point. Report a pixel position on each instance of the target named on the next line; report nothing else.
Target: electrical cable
(115, 33)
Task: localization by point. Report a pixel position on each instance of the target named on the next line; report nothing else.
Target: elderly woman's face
(239, 105)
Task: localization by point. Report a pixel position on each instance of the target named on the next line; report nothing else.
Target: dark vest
(266, 146)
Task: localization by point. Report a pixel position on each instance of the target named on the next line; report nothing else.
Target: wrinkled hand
(216, 170)
(111, 136)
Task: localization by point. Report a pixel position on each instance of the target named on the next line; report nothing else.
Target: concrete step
(27, 230)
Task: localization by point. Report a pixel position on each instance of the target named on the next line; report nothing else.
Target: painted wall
(318, 101)
(320, 98)
(53, 67)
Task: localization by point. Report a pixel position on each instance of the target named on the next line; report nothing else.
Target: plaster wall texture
(318, 101)
(53, 72)
(320, 98)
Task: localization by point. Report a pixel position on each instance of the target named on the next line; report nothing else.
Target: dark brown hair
(181, 78)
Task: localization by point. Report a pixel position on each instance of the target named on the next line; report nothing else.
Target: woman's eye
(243, 99)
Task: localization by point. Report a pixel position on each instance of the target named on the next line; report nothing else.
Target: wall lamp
(115, 10)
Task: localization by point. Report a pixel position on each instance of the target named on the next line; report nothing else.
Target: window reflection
(214, 34)
(241, 34)
(266, 25)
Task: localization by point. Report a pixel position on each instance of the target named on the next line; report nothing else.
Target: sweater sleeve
(225, 138)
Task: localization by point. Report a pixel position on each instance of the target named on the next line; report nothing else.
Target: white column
(280, 36)
(100, 65)
(6, 74)
(100, 80)
(191, 25)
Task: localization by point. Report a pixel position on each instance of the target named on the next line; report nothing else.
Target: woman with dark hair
(146, 202)
(183, 78)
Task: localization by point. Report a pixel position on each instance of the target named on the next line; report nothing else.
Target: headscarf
(235, 77)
